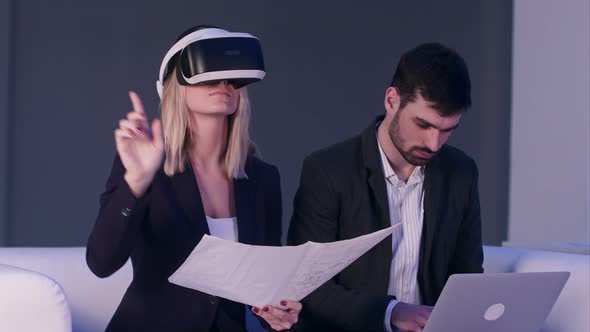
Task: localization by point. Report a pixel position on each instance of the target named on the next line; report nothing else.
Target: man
(397, 171)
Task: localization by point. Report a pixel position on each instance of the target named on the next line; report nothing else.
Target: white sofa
(31, 301)
(92, 301)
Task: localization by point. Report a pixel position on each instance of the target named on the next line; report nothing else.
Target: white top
(405, 200)
(224, 228)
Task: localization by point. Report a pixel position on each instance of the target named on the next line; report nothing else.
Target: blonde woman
(193, 173)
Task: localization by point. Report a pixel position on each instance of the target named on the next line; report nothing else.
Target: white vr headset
(210, 55)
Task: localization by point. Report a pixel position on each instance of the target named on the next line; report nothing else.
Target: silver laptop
(496, 302)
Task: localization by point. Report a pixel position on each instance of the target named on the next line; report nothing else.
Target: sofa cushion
(31, 301)
(92, 300)
(571, 311)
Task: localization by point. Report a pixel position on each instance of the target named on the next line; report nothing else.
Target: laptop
(496, 302)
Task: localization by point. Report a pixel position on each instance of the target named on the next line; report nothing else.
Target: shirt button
(212, 299)
(126, 212)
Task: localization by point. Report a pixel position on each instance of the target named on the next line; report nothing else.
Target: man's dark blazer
(342, 194)
(160, 230)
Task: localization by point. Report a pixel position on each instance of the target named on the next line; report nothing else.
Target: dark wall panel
(5, 119)
(328, 63)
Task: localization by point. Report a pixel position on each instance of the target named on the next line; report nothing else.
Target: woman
(210, 182)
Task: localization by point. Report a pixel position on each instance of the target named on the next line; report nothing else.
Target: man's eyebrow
(433, 126)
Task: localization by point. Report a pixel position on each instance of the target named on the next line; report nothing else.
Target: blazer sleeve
(274, 206)
(315, 218)
(117, 226)
(468, 257)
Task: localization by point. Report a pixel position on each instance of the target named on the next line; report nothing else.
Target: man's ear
(392, 100)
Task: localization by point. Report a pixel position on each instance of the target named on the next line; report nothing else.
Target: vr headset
(211, 55)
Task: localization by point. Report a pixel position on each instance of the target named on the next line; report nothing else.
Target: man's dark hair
(438, 74)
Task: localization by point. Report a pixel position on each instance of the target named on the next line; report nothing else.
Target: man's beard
(398, 141)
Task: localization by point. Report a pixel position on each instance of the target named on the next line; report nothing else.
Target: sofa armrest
(31, 301)
(570, 312)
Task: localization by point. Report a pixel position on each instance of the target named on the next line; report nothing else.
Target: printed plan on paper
(261, 275)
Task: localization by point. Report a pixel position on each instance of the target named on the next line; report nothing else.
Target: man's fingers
(421, 319)
(416, 328)
(136, 102)
(425, 314)
(410, 317)
(426, 310)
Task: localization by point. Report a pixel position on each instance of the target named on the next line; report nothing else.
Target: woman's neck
(209, 141)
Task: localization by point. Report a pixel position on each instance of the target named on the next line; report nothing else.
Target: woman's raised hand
(140, 148)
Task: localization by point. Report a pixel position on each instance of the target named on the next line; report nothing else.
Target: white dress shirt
(224, 228)
(406, 206)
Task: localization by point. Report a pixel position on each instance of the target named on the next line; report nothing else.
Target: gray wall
(550, 148)
(328, 64)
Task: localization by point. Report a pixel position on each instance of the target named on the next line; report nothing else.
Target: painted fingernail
(265, 309)
(255, 310)
(284, 303)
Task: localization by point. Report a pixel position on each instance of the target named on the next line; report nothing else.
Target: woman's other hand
(282, 317)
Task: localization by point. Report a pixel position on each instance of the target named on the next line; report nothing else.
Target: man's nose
(433, 140)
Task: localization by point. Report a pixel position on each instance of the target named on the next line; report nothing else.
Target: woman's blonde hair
(176, 124)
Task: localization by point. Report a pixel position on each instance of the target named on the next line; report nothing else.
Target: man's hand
(410, 317)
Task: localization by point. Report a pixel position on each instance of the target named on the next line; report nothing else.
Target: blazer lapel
(378, 190)
(375, 176)
(432, 197)
(188, 195)
(245, 198)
